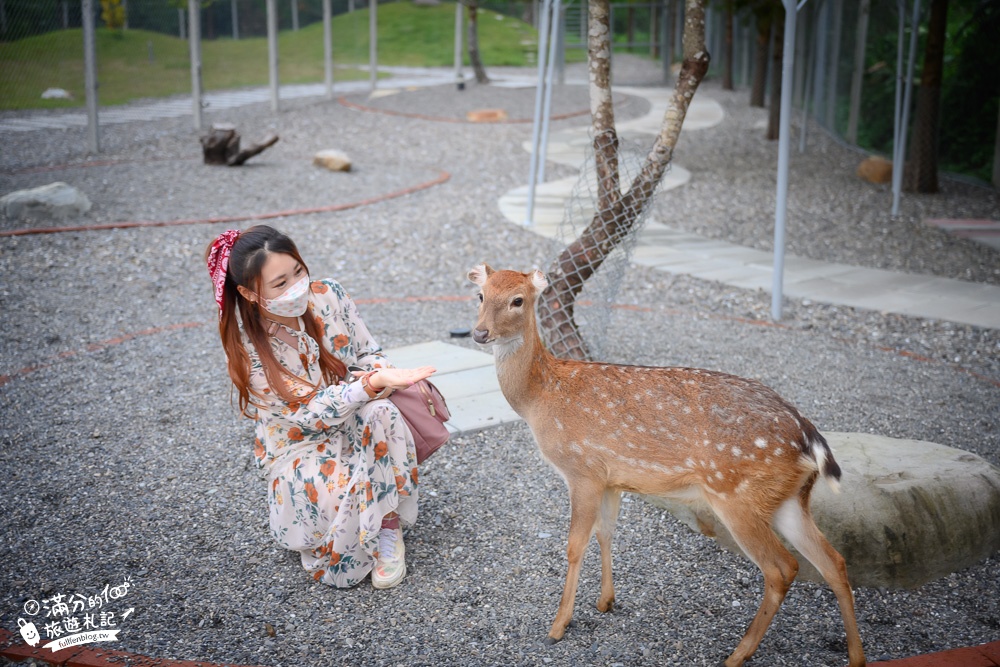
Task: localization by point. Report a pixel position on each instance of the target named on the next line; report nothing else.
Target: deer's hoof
(605, 606)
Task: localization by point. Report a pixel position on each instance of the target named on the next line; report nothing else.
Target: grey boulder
(907, 513)
(57, 201)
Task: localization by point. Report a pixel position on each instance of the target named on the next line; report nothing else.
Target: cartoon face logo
(28, 631)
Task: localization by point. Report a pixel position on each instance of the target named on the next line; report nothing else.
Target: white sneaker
(390, 567)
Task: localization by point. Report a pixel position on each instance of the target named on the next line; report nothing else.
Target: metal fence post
(784, 141)
(90, 76)
(543, 36)
(373, 43)
(899, 148)
(234, 14)
(459, 78)
(272, 53)
(547, 102)
(194, 47)
(328, 48)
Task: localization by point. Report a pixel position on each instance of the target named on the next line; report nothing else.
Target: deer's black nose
(481, 336)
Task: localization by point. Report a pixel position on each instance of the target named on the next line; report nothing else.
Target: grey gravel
(125, 459)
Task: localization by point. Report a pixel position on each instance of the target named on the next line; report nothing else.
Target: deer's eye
(518, 302)
(480, 297)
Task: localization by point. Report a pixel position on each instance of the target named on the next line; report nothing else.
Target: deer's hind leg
(794, 520)
(606, 522)
(752, 531)
(585, 506)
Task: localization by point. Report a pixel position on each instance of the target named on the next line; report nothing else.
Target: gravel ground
(123, 458)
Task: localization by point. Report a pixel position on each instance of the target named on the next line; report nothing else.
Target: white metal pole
(543, 35)
(272, 53)
(194, 46)
(549, 76)
(784, 142)
(819, 82)
(898, 107)
(328, 48)
(373, 43)
(235, 15)
(295, 15)
(459, 78)
(810, 82)
(90, 76)
(900, 160)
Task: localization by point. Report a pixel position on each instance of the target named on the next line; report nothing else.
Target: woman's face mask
(292, 302)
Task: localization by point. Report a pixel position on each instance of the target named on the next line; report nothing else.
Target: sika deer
(684, 433)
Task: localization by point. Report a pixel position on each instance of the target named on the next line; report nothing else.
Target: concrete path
(672, 250)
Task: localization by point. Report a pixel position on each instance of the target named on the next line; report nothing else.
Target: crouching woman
(339, 460)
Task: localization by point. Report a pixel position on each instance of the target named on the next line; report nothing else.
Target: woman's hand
(399, 378)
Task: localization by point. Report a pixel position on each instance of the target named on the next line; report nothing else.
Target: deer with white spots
(684, 433)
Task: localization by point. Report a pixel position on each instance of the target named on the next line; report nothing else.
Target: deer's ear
(539, 280)
(480, 273)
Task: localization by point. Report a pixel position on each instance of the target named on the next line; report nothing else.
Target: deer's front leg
(585, 503)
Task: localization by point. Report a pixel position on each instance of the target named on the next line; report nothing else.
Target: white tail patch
(819, 451)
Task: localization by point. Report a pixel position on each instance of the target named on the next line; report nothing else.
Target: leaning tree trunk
(477, 63)
(761, 47)
(774, 115)
(921, 172)
(616, 213)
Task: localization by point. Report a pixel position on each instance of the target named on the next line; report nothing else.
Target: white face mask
(292, 302)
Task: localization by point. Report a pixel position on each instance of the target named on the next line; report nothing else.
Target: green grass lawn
(408, 35)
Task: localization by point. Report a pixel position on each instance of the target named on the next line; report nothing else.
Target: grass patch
(408, 35)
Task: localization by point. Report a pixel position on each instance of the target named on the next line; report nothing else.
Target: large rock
(908, 511)
(55, 200)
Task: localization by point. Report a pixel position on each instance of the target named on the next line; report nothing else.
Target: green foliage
(970, 92)
(113, 14)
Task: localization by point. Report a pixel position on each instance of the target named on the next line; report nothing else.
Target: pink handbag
(425, 412)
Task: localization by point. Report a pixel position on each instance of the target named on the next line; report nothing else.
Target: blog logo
(76, 619)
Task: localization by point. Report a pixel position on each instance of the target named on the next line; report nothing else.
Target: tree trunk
(774, 117)
(727, 55)
(477, 63)
(616, 214)
(759, 84)
(921, 173)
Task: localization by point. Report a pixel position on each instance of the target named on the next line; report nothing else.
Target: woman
(339, 461)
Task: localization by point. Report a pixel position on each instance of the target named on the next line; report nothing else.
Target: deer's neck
(522, 369)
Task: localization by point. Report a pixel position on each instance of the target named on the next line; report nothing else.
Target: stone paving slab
(467, 380)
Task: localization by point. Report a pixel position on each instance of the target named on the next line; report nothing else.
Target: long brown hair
(246, 262)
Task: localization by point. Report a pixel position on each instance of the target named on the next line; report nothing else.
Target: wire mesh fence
(592, 306)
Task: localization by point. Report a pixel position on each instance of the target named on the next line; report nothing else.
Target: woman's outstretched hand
(399, 378)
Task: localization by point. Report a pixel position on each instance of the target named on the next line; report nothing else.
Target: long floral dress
(338, 462)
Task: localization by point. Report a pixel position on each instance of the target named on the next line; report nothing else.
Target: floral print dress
(337, 462)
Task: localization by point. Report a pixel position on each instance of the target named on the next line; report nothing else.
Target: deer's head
(506, 305)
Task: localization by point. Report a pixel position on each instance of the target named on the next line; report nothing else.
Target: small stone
(875, 169)
(486, 115)
(333, 160)
(56, 94)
